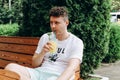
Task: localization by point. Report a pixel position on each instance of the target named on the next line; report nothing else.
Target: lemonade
(54, 47)
(53, 41)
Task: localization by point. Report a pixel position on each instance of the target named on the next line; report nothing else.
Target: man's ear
(67, 22)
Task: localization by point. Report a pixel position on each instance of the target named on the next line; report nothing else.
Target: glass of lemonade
(53, 41)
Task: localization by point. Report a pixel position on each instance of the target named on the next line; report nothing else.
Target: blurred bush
(9, 29)
(114, 44)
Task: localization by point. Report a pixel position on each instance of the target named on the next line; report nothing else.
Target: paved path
(112, 70)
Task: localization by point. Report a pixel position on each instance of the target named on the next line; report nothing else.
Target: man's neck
(63, 36)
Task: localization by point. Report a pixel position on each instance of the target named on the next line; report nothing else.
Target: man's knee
(21, 70)
(11, 66)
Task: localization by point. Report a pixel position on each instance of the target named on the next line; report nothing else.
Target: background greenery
(13, 13)
(89, 20)
(115, 7)
(9, 29)
(114, 45)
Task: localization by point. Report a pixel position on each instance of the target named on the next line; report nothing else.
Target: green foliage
(90, 22)
(114, 45)
(35, 19)
(36, 16)
(9, 29)
(4, 12)
(14, 12)
(115, 5)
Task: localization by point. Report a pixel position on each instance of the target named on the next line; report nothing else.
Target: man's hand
(50, 46)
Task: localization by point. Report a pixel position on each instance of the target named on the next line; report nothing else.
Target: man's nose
(53, 25)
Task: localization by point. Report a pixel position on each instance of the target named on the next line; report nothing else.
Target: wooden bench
(8, 75)
(20, 50)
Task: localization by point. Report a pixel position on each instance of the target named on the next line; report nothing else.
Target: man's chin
(57, 33)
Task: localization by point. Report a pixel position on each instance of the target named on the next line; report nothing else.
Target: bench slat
(2, 77)
(27, 49)
(19, 40)
(8, 75)
(3, 63)
(16, 57)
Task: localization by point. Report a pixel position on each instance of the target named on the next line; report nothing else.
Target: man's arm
(70, 70)
(38, 58)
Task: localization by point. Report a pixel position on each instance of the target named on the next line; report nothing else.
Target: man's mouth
(54, 31)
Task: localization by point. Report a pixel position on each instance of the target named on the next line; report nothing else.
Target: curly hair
(59, 11)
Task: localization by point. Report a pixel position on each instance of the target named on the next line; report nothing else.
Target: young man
(60, 65)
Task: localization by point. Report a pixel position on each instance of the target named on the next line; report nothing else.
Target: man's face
(58, 25)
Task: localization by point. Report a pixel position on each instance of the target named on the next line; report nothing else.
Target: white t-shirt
(67, 49)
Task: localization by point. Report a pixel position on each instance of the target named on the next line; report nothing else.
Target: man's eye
(56, 22)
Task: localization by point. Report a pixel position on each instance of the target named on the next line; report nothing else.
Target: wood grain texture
(8, 75)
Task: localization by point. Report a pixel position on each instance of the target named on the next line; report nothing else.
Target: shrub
(35, 19)
(9, 29)
(114, 45)
(90, 22)
(14, 14)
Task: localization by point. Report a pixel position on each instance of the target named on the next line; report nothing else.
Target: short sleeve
(43, 40)
(77, 50)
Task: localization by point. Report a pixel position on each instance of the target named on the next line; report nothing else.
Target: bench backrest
(19, 50)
